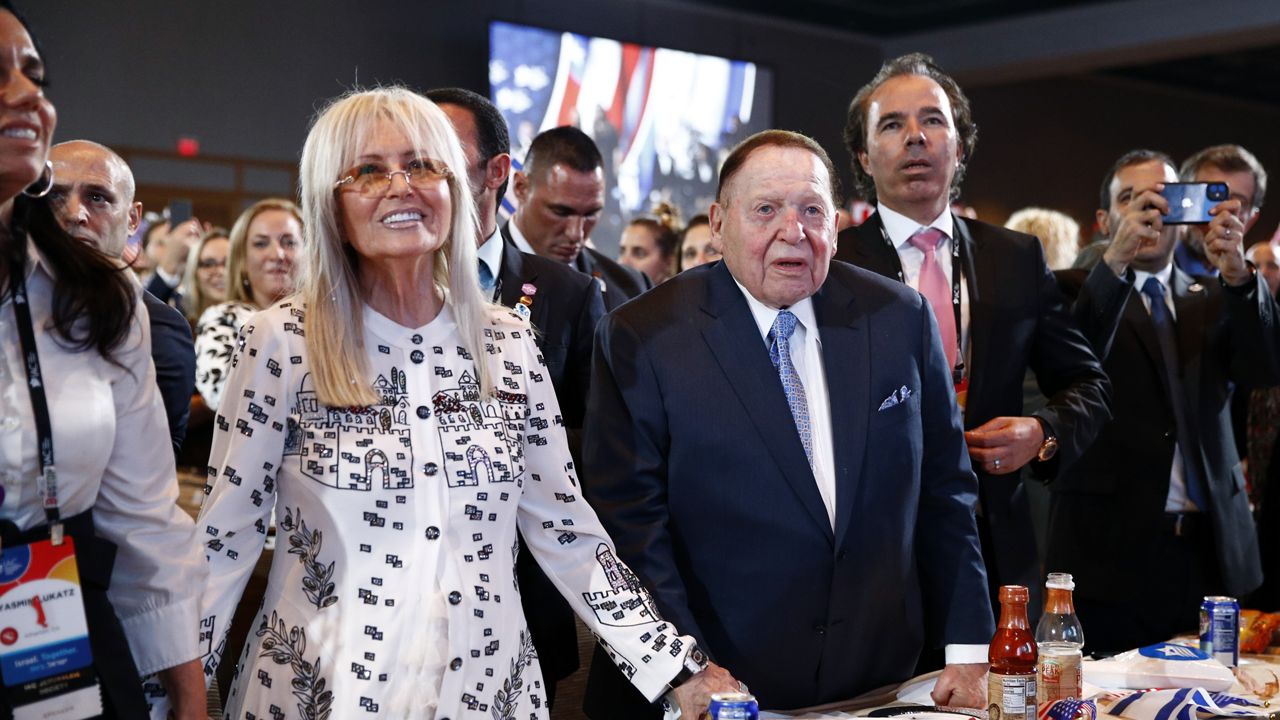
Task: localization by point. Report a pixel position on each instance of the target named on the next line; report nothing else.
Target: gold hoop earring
(36, 190)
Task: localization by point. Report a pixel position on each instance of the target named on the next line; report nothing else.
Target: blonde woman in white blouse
(402, 428)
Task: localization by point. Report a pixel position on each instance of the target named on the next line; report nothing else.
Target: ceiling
(1247, 75)
(1241, 74)
(897, 17)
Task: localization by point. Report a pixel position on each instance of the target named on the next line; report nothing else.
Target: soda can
(1220, 629)
(733, 706)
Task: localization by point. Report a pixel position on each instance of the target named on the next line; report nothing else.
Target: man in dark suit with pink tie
(998, 307)
(775, 448)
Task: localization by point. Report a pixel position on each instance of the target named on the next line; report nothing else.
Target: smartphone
(179, 212)
(1190, 203)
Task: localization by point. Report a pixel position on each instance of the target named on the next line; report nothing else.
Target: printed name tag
(45, 660)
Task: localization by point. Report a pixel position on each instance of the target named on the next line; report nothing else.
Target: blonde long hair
(196, 301)
(238, 289)
(330, 280)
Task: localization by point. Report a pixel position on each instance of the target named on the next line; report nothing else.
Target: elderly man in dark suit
(776, 450)
(998, 307)
(561, 194)
(93, 193)
(1155, 516)
(564, 306)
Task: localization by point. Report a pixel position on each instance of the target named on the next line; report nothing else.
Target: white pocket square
(895, 398)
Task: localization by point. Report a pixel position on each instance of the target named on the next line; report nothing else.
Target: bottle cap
(1060, 581)
(1013, 593)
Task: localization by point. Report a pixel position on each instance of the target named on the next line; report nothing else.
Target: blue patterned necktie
(780, 354)
(1162, 319)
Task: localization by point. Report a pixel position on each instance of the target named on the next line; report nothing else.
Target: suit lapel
(871, 251)
(1189, 303)
(734, 339)
(1138, 318)
(975, 264)
(846, 356)
(512, 272)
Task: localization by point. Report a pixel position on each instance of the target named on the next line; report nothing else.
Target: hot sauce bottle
(1011, 683)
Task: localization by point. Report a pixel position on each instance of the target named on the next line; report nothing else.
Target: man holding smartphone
(1246, 181)
(1154, 515)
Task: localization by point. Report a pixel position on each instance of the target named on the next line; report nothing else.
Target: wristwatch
(1049, 447)
(695, 661)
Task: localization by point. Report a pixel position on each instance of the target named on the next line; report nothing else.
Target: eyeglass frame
(351, 176)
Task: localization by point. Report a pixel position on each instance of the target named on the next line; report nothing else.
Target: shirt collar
(1165, 276)
(765, 315)
(900, 228)
(518, 238)
(490, 253)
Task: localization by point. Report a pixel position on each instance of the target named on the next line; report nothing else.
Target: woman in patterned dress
(402, 427)
(261, 269)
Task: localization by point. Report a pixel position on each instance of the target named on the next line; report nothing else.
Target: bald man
(92, 194)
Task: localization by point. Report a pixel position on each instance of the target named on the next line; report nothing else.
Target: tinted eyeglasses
(373, 179)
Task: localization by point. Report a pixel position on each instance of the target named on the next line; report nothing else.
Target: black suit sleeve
(953, 576)
(1068, 373)
(625, 473)
(173, 352)
(1099, 305)
(577, 373)
(1253, 321)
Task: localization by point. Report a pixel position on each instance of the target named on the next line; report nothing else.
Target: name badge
(45, 660)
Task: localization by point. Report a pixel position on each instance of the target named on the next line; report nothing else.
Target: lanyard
(48, 480)
(957, 372)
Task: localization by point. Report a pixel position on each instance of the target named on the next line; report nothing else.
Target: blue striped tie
(780, 354)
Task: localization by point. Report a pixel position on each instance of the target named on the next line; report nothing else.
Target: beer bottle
(1060, 639)
(1011, 683)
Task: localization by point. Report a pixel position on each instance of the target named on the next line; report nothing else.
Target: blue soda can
(1220, 629)
(733, 706)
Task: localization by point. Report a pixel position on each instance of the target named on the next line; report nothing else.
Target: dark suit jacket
(565, 310)
(174, 354)
(1018, 318)
(165, 294)
(618, 282)
(1107, 509)
(694, 464)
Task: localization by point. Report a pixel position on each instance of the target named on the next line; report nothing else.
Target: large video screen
(663, 119)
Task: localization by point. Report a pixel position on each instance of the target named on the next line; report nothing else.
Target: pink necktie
(934, 287)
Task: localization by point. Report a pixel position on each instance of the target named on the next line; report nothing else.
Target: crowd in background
(419, 398)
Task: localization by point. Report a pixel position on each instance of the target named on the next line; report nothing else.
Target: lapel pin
(529, 289)
(525, 301)
(1196, 287)
(523, 311)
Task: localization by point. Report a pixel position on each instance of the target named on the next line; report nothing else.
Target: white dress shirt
(1177, 500)
(105, 419)
(900, 228)
(490, 253)
(806, 354)
(519, 239)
